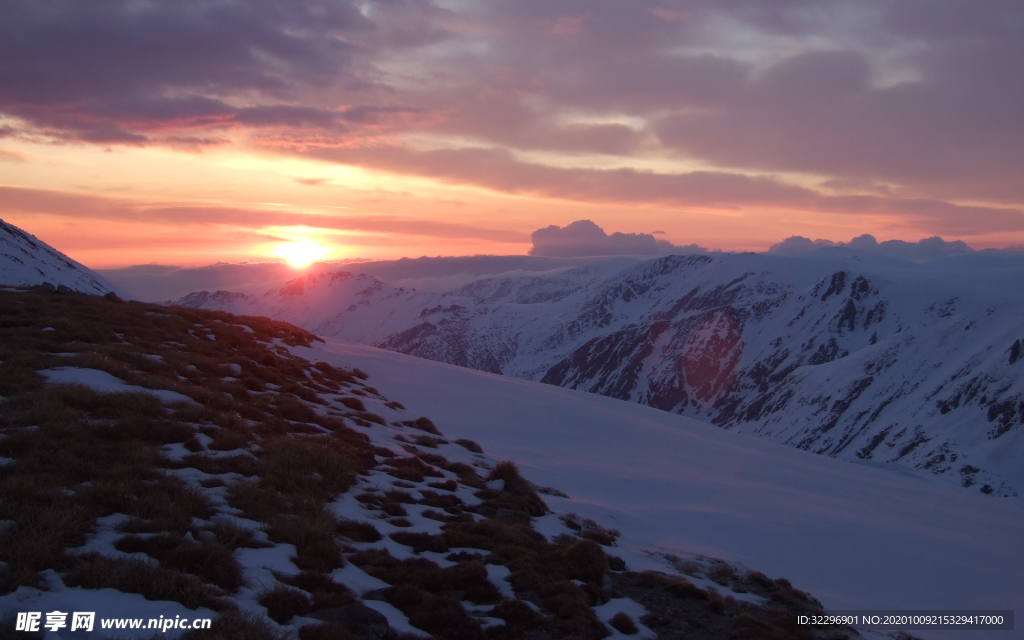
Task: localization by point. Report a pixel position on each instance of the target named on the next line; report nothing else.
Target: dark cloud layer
(909, 106)
(121, 71)
(584, 238)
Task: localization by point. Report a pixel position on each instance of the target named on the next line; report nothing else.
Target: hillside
(174, 464)
(26, 261)
(852, 357)
(856, 535)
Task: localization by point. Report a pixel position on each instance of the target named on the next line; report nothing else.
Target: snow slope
(854, 535)
(25, 261)
(848, 355)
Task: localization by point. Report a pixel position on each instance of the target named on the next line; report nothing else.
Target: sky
(188, 132)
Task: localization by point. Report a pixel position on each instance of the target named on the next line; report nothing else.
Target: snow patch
(498, 574)
(357, 580)
(631, 608)
(396, 619)
(103, 382)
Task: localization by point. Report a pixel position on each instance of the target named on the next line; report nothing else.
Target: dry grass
(584, 561)
(447, 485)
(358, 531)
(450, 503)
(590, 530)
(255, 502)
(674, 586)
(147, 579)
(623, 624)
(470, 445)
(517, 497)
(80, 455)
(423, 424)
(352, 403)
(721, 573)
(74, 467)
(311, 466)
(313, 535)
(233, 536)
(411, 469)
(518, 616)
(420, 542)
(427, 441)
(283, 603)
(326, 593)
(209, 560)
(539, 568)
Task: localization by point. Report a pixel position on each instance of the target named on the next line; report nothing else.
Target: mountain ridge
(26, 261)
(878, 360)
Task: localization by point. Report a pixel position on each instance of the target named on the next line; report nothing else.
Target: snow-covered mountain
(854, 357)
(25, 260)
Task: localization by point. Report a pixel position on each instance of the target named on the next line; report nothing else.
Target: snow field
(855, 536)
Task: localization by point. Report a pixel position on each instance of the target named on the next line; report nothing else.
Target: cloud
(584, 238)
(920, 95)
(917, 101)
(937, 121)
(120, 71)
(43, 202)
(500, 170)
(797, 245)
(311, 182)
(13, 155)
(924, 250)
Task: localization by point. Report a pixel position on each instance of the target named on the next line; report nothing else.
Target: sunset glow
(719, 127)
(300, 254)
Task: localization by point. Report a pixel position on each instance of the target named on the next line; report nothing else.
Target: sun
(300, 254)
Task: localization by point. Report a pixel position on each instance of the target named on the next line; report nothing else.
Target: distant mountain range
(849, 355)
(27, 261)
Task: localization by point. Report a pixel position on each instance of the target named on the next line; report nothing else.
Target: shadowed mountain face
(880, 361)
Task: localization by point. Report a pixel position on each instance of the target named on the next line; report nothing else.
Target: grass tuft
(469, 445)
(357, 531)
(423, 424)
(283, 603)
(622, 623)
(150, 580)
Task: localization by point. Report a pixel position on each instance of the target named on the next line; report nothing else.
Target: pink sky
(189, 132)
